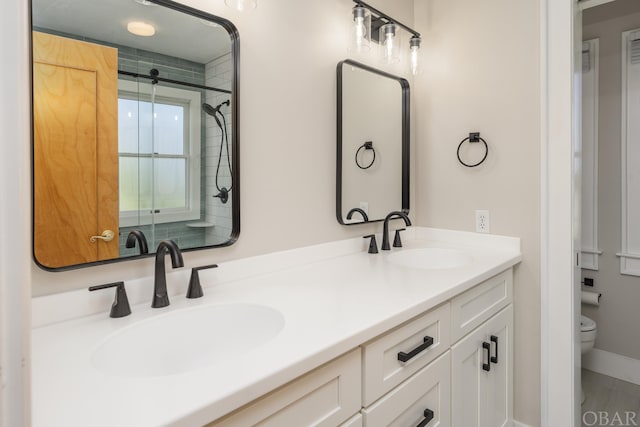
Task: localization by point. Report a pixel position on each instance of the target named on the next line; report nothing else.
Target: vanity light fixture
(361, 30)
(390, 43)
(242, 5)
(414, 47)
(383, 30)
(141, 28)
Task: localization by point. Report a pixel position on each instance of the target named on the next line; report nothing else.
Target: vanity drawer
(382, 369)
(325, 397)
(429, 389)
(479, 303)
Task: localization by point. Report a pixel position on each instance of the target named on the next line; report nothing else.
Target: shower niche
(135, 127)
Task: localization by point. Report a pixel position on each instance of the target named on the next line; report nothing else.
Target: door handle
(106, 236)
(487, 366)
(428, 416)
(494, 359)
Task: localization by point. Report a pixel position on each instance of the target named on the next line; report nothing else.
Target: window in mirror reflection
(159, 148)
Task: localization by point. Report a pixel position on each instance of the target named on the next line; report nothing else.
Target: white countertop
(333, 298)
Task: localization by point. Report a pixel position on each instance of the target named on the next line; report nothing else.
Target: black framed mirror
(135, 130)
(373, 147)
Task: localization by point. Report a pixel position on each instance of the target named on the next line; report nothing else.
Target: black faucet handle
(373, 245)
(120, 306)
(397, 243)
(195, 290)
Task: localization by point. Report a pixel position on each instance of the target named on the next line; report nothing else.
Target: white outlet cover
(483, 221)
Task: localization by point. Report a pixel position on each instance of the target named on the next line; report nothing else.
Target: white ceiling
(177, 34)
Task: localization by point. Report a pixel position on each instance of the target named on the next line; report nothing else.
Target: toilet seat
(586, 324)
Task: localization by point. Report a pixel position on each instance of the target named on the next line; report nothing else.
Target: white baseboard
(519, 424)
(614, 365)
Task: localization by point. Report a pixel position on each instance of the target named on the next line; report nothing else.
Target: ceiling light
(145, 2)
(141, 29)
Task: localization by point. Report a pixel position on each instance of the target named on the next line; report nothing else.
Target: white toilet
(588, 333)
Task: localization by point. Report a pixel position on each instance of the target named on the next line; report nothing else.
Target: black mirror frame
(235, 142)
(406, 143)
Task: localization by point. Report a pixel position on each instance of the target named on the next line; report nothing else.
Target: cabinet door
(481, 397)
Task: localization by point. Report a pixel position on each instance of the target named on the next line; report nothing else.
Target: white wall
(621, 293)
(15, 194)
(288, 55)
(482, 74)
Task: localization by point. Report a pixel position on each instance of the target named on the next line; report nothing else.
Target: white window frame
(590, 102)
(193, 100)
(629, 258)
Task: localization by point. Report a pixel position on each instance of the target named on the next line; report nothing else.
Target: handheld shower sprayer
(223, 192)
(207, 108)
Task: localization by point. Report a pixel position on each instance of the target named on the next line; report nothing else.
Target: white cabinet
(355, 421)
(325, 397)
(423, 400)
(450, 366)
(482, 374)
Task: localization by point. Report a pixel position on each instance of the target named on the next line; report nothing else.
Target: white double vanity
(327, 335)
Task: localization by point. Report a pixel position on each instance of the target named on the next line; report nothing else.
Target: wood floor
(610, 401)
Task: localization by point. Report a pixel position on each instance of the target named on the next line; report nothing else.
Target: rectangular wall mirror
(373, 144)
(135, 129)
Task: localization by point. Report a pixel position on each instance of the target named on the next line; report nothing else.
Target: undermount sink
(186, 340)
(429, 258)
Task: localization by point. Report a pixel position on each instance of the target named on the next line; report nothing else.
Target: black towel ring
(473, 137)
(367, 146)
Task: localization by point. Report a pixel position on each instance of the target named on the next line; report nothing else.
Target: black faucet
(360, 211)
(385, 227)
(142, 241)
(160, 297)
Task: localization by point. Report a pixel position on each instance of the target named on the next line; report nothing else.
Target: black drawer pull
(405, 357)
(494, 359)
(428, 416)
(487, 366)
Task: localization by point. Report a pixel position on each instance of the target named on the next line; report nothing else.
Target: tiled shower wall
(218, 74)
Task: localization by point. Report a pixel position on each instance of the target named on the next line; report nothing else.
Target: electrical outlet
(483, 222)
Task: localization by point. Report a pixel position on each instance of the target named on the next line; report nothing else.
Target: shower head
(209, 109)
(213, 110)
